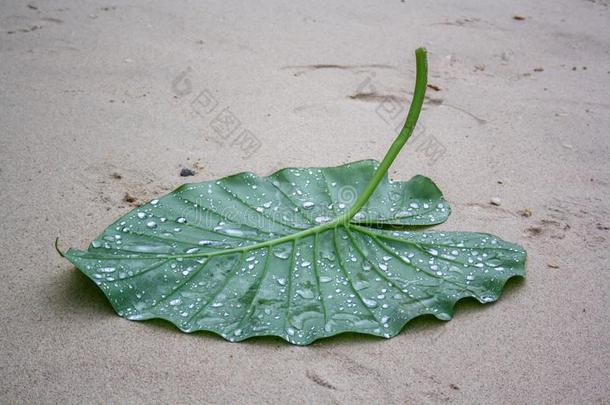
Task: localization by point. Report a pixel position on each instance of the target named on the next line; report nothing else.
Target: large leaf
(300, 254)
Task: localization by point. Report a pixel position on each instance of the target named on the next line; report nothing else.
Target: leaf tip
(56, 244)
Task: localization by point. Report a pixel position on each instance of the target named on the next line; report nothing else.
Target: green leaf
(301, 254)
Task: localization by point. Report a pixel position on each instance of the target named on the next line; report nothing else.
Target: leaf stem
(421, 81)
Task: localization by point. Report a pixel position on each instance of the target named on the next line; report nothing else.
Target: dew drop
(230, 231)
(281, 254)
(107, 269)
(359, 216)
(322, 219)
(369, 303)
(307, 294)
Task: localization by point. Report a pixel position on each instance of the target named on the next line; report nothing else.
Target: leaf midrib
(269, 243)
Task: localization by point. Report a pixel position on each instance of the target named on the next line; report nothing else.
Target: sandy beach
(104, 104)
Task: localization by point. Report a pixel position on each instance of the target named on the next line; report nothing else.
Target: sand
(96, 101)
